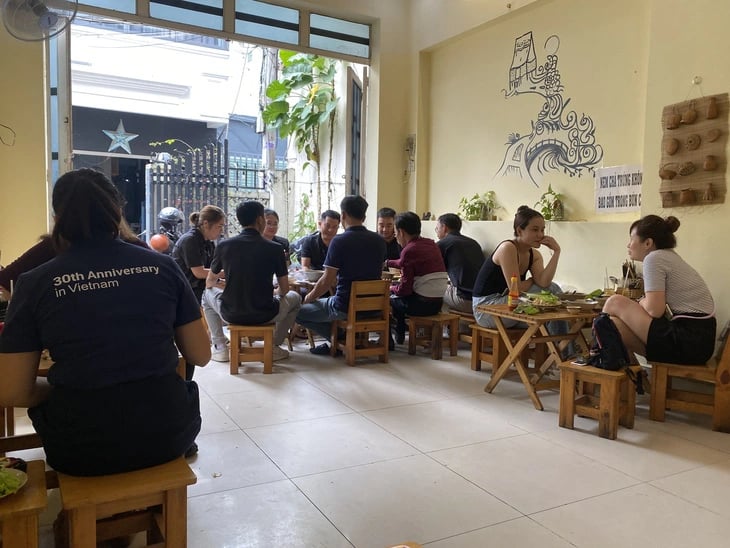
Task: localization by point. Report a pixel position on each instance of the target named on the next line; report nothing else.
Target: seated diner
(113, 316)
(674, 322)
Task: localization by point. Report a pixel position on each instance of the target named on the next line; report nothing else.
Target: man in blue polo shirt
(248, 263)
(356, 254)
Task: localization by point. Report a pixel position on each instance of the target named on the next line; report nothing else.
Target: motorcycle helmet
(171, 215)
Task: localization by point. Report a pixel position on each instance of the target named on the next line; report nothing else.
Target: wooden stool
(244, 353)
(487, 346)
(152, 498)
(433, 327)
(19, 512)
(468, 319)
(614, 404)
(716, 403)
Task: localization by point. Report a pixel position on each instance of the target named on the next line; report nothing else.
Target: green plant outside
(303, 101)
(304, 221)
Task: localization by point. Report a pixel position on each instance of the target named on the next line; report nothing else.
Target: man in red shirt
(423, 279)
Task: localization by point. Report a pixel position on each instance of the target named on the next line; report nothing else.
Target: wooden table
(19, 512)
(536, 332)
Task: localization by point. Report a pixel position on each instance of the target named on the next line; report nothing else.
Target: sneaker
(280, 353)
(323, 350)
(220, 354)
(192, 451)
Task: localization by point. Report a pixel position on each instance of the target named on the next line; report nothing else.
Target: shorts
(118, 428)
(685, 341)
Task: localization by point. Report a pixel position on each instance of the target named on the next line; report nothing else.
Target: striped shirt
(685, 290)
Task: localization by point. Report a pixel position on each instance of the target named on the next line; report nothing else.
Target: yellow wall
(620, 63)
(23, 201)
(604, 76)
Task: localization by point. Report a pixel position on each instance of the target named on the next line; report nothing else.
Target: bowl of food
(573, 309)
(312, 275)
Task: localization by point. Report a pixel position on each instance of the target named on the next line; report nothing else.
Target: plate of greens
(545, 300)
(11, 481)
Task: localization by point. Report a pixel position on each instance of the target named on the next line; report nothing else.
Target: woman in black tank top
(517, 256)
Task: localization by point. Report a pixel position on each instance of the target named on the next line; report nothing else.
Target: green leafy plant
(303, 102)
(550, 205)
(304, 221)
(480, 207)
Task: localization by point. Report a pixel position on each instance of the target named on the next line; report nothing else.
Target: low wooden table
(19, 512)
(535, 332)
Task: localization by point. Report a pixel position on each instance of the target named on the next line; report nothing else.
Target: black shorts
(118, 428)
(686, 341)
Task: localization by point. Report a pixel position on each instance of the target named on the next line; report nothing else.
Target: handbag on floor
(609, 352)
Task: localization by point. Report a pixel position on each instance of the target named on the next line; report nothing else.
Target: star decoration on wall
(120, 138)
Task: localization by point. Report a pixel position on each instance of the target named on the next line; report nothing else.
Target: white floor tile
(270, 515)
(318, 445)
(520, 533)
(637, 517)
(532, 474)
(228, 460)
(361, 388)
(442, 424)
(707, 486)
(412, 499)
(638, 453)
(214, 418)
(278, 402)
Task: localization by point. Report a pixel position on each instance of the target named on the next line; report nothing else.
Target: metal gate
(195, 178)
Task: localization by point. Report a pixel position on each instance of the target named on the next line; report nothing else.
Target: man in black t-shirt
(386, 229)
(463, 257)
(314, 246)
(239, 286)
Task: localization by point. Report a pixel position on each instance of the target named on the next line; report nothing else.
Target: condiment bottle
(514, 292)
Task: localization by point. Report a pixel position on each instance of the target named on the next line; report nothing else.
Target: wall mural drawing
(559, 139)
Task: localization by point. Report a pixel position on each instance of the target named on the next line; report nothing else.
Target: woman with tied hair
(675, 320)
(270, 230)
(194, 250)
(111, 314)
(517, 256)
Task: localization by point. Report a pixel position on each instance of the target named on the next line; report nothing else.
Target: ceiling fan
(37, 20)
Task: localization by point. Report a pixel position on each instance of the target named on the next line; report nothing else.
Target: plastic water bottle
(514, 292)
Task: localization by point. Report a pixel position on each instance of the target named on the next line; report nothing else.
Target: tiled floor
(324, 455)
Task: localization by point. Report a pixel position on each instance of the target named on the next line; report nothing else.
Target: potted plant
(550, 205)
(480, 207)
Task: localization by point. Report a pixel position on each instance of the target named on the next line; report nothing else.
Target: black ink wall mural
(559, 140)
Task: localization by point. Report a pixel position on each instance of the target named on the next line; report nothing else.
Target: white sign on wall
(618, 189)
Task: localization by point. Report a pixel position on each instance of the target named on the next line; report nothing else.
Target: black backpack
(608, 350)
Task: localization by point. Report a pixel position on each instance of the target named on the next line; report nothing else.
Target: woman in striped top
(675, 321)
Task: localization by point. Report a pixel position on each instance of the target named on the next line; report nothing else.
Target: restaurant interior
(321, 454)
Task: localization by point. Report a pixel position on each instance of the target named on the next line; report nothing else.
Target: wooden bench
(613, 405)
(715, 373)
(241, 352)
(152, 499)
(19, 513)
(432, 329)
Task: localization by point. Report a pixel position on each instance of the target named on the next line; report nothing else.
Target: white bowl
(312, 275)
